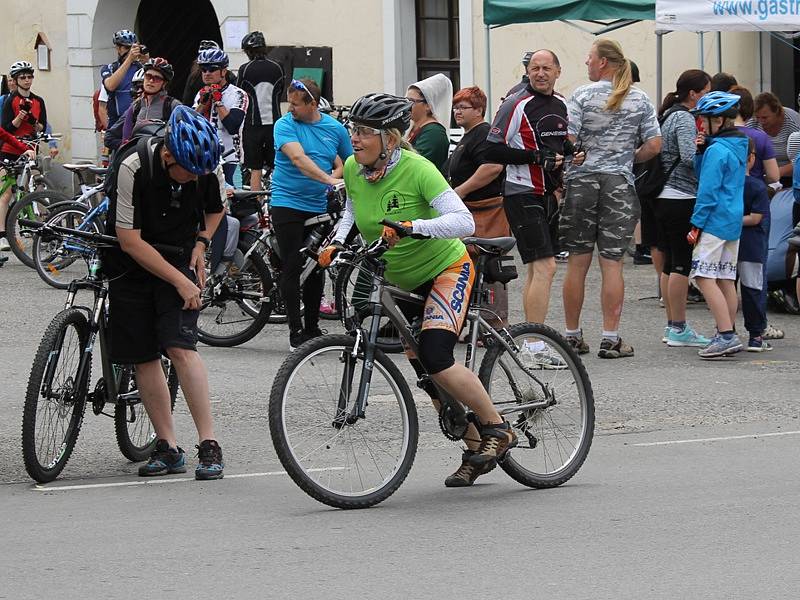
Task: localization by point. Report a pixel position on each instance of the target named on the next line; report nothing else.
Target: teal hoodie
(719, 207)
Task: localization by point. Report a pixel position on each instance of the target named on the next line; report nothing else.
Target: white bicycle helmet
(20, 67)
(324, 106)
(138, 77)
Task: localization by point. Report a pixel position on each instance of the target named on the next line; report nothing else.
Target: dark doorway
(173, 30)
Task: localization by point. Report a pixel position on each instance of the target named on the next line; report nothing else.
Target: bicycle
(59, 383)
(344, 423)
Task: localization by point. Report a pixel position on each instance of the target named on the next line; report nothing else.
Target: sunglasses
(28, 76)
(299, 85)
(151, 77)
(210, 69)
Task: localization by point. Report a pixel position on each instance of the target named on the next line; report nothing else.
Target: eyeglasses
(151, 77)
(363, 130)
(299, 85)
(28, 76)
(461, 107)
(416, 100)
(210, 69)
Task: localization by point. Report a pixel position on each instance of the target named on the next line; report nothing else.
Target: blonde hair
(622, 80)
(397, 137)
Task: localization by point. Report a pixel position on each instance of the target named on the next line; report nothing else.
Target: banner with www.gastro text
(727, 15)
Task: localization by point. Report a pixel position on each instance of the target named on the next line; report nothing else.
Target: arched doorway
(173, 30)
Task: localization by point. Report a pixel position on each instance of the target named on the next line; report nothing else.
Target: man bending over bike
(385, 179)
(155, 299)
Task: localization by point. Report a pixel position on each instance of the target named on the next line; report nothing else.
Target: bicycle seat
(76, 167)
(97, 170)
(243, 194)
(491, 245)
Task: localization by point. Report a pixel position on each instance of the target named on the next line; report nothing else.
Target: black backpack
(650, 176)
(144, 143)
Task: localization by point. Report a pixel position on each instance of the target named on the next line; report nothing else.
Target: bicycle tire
(52, 258)
(309, 476)
(347, 297)
(531, 424)
(66, 420)
(32, 206)
(217, 298)
(125, 416)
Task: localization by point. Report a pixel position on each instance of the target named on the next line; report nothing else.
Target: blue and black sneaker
(164, 461)
(211, 463)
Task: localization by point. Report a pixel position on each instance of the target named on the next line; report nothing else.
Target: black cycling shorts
(652, 236)
(259, 146)
(673, 217)
(147, 318)
(534, 222)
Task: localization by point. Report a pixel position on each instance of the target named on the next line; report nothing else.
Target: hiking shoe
(562, 256)
(578, 344)
(538, 356)
(719, 347)
(687, 337)
(665, 337)
(642, 258)
(618, 349)
(297, 338)
(772, 333)
(211, 464)
(4, 245)
(496, 440)
(758, 344)
(467, 473)
(164, 461)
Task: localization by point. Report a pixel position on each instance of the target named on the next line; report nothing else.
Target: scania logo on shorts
(461, 288)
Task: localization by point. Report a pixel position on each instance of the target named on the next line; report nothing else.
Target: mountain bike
(59, 386)
(344, 422)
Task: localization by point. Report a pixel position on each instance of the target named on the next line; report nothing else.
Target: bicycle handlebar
(403, 231)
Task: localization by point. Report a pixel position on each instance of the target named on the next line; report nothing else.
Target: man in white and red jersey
(529, 134)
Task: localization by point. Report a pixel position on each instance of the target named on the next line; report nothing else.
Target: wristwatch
(206, 242)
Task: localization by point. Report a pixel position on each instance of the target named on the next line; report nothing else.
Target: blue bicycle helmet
(718, 104)
(213, 57)
(192, 140)
(124, 37)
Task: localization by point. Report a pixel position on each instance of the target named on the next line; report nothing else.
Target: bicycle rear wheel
(55, 400)
(33, 206)
(343, 465)
(555, 436)
(59, 259)
(135, 435)
(236, 307)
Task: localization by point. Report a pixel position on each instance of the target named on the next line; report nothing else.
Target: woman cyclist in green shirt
(385, 179)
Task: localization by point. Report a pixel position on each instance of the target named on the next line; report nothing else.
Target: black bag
(500, 269)
(244, 206)
(650, 175)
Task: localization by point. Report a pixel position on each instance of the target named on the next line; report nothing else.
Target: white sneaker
(4, 245)
(541, 356)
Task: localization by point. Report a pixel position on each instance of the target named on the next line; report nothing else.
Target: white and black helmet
(381, 111)
(324, 106)
(21, 66)
(138, 77)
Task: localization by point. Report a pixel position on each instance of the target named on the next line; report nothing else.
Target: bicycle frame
(97, 212)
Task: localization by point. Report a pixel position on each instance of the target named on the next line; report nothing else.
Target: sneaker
(642, 258)
(164, 461)
(4, 245)
(297, 338)
(772, 333)
(539, 356)
(327, 307)
(618, 349)
(786, 302)
(496, 440)
(578, 344)
(467, 473)
(211, 464)
(758, 344)
(562, 256)
(694, 295)
(719, 347)
(665, 337)
(3, 260)
(687, 337)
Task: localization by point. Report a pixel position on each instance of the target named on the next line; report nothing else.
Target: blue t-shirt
(753, 243)
(120, 99)
(322, 142)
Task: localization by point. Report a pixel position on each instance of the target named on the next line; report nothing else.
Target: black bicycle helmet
(162, 66)
(381, 111)
(254, 39)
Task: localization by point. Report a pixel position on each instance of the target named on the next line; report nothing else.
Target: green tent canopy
(507, 12)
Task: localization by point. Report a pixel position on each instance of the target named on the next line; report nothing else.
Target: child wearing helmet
(721, 165)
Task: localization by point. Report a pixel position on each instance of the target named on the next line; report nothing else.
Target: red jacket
(9, 141)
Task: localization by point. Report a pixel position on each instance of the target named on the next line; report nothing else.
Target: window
(437, 39)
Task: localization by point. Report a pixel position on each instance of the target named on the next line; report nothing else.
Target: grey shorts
(599, 209)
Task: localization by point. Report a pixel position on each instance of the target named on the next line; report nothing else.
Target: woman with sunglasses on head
(310, 148)
(386, 179)
(431, 100)
(154, 103)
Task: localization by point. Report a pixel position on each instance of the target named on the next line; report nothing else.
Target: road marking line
(91, 486)
(718, 439)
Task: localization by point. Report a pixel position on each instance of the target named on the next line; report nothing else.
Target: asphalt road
(696, 519)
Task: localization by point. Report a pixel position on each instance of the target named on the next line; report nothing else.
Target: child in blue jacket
(721, 164)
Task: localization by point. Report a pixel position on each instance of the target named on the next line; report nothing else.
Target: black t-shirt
(163, 211)
(467, 156)
(262, 79)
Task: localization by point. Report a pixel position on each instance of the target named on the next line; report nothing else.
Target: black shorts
(534, 222)
(651, 235)
(673, 217)
(259, 146)
(146, 318)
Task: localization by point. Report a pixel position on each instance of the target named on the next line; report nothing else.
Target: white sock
(574, 333)
(611, 335)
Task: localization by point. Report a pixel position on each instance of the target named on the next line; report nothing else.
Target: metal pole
(701, 51)
(659, 66)
(488, 42)
(760, 62)
(719, 52)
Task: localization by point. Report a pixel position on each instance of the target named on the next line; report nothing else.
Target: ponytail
(623, 79)
(668, 102)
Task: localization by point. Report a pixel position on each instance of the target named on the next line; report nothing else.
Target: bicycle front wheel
(136, 437)
(344, 463)
(549, 403)
(60, 259)
(34, 207)
(55, 400)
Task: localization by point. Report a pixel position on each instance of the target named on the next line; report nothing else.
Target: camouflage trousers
(601, 209)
